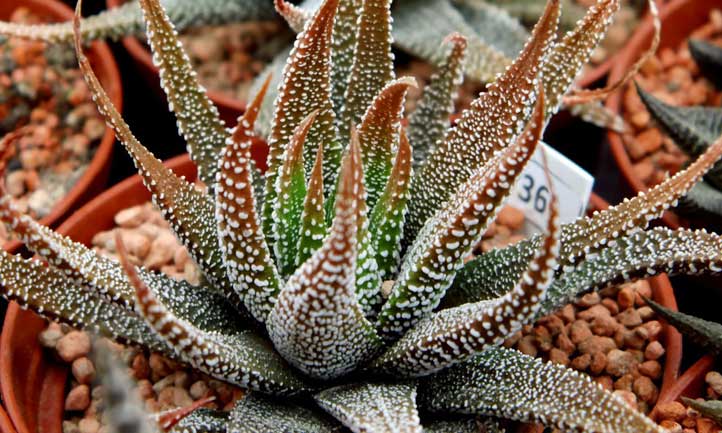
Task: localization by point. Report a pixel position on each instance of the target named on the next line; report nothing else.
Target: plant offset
(291, 305)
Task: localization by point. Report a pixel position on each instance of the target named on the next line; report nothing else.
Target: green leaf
(373, 407)
(506, 383)
(572, 52)
(703, 200)
(495, 26)
(709, 59)
(104, 277)
(48, 293)
(305, 88)
(238, 223)
(313, 219)
(197, 118)
(711, 408)
(317, 323)
(372, 67)
(454, 335)
(188, 210)
(378, 135)
(429, 123)
(693, 129)
(291, 190)
(492, 123)
(640, 255)
(345, 37)
(127, 20)
(431, 263)
(203, 421)
(122, 406)
(259, 414)
(420, 27)
(241, 358)
(702, 332)
(387, 218)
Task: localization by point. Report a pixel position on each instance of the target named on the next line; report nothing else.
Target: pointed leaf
(709, 59)
(496, 27)
(420, 27)
(188, 210)
(454, 335)
(702, 332)
(122, 406)
(429, 123)
(491, 124)
(291, 190)
(590, 233)
(305, 88)
(640, 255)
(203, 421)
(693, 129)
(378, 135)
(104, 277)
(127, 20)
(259, 414)
(373, 63)
(241, 358)
(373, 407)
(295, 16)
(313, 219)
(567, 56)
(48, 293)
(703, 200)
(492, 384)
(437, 254)
(711, 408)
(255, 281)
(345, 34)
(198, 119)
(387, 219)
(317, 323)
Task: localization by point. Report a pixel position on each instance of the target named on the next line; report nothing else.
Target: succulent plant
(291, 304)
(693, 129)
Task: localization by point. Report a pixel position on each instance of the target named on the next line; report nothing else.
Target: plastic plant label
(572, 184)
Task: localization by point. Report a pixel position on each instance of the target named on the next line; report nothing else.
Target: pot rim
(638, 42)
(95, 175)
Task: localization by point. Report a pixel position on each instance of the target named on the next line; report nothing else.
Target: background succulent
(291, 303)
(693, 129)
(494, 37)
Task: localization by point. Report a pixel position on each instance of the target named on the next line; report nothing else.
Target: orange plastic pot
(94, 178)
(228, 107)
(679, 19)
(690, 384)
(6, 426)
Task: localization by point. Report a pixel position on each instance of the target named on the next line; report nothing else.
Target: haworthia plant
(291, 306)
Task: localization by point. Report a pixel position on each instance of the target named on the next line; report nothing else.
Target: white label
(573, 187)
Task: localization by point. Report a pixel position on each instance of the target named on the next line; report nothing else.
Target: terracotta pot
(228, 107)
(6, 426)
(679, 19)
(95, 176)
(690, 384)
